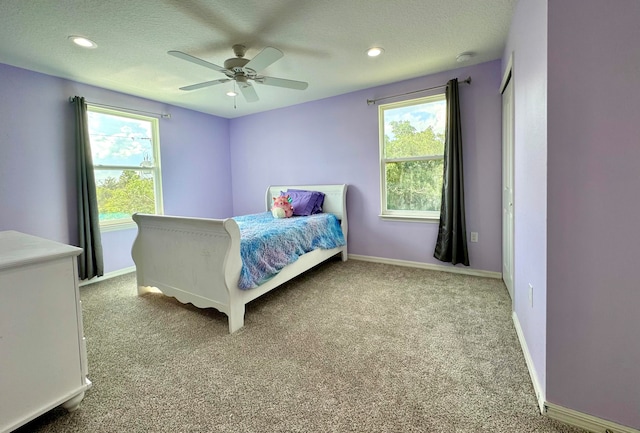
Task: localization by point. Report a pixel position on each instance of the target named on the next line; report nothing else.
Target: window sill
(118, 226)
(411, 219)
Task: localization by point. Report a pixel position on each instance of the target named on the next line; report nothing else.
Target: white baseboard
(537, 387)
(562, 414)
(430, 266)
(584, 421)
(108, 275)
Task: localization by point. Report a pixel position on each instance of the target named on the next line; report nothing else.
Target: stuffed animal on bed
(282, 207)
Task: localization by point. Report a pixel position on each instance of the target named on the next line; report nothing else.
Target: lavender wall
(37, 174)
(338, 136)
(335, 140)
(528, 43)
(196, 171)
(594, 153)
(36, 164)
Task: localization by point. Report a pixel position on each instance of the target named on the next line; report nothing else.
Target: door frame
(508, 170)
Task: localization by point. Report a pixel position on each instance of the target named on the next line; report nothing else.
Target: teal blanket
(269, 244)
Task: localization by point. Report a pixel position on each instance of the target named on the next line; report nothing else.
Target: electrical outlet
(474, 236)
(530, 295)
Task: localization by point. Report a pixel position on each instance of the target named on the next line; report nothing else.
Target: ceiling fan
(241, 70)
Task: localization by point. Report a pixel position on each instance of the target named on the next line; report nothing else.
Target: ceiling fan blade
(281, 82)
(248, 92)
(264, 58)
(197, 61)
(205, 84)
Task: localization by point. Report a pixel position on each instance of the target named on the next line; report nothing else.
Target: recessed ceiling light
(231, 93)
(463, 57)
(83, 42)
(374, 51)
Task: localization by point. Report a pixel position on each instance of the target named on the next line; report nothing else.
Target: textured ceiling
(323, 41)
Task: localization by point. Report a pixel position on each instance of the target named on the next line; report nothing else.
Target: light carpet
(346, 347)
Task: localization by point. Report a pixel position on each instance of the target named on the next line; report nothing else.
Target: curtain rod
(373, 101)
(163, 115)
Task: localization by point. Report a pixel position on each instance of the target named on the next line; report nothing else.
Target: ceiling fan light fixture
(83, 42)
(375, 51)
(232, 93)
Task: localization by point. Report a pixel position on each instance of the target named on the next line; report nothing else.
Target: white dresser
(43, 358)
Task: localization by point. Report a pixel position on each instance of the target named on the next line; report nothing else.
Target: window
(126, 165)
(412, 157)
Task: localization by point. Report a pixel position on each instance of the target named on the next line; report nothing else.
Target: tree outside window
(126, 165)
(412, 157)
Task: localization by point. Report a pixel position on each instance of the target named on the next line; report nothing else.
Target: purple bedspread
(268, 244)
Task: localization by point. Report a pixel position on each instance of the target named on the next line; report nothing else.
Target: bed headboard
(335, 199)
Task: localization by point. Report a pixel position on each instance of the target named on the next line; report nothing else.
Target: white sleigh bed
(197, 260)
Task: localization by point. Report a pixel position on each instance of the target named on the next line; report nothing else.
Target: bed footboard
(195, 260)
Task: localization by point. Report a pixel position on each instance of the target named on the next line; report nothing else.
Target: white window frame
(421, 216)
(128, 223)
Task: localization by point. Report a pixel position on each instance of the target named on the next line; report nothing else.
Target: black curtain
(90, 263)
(452, 233)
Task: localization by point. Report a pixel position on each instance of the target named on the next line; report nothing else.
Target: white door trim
(508, 204)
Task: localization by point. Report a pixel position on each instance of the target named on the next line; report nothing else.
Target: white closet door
(507, 186)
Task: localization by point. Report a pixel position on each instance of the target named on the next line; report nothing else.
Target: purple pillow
(319, 197)
(305, 202)
(319, 202)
